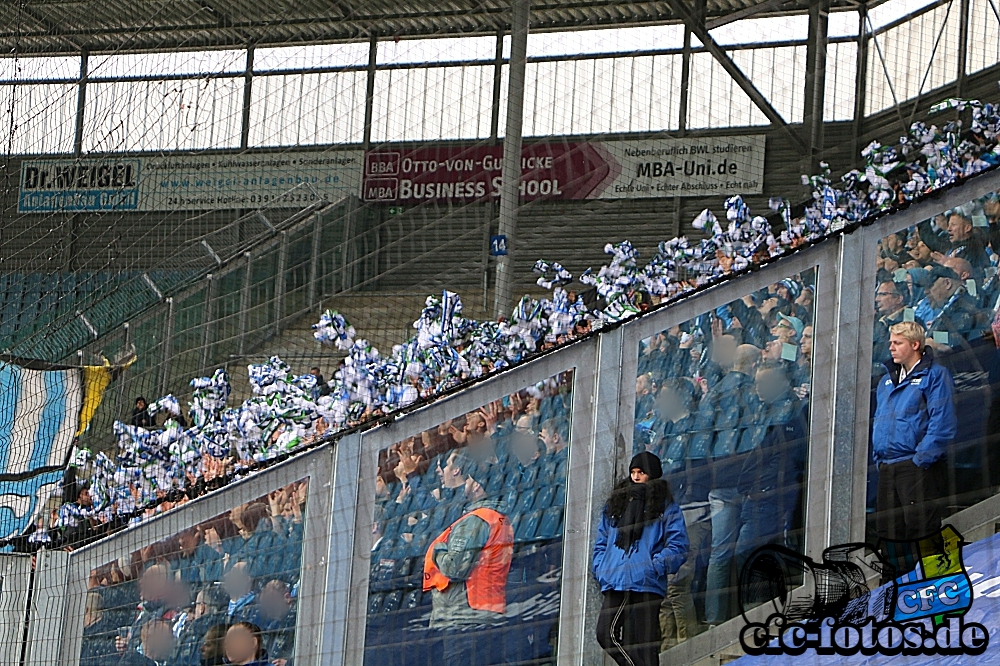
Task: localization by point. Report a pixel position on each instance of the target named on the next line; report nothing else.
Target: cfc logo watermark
(898, 598)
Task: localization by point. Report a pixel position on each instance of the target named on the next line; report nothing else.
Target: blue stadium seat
(525, 530)
(560, 498)
(545, 496)
(526, 500)
(550, 526)
(412, 599)
(392, 601)
(375, 603)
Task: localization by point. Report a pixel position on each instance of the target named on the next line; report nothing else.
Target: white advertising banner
(188, 182)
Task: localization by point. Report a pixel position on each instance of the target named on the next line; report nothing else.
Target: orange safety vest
(487, 582)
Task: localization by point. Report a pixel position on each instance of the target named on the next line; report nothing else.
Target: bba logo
(829, 606)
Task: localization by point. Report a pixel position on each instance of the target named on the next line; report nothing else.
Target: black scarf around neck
(632, 506)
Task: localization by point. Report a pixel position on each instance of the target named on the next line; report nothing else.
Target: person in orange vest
(465, 569)
(640, 541)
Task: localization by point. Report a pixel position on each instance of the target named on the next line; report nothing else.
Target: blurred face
(158, 642)
(941, 291)
(887, 299)
(240, 646)
(903, 351)
(152, 584)
(992, 208)
(638, 476)
(669, 404)
(273, 603)
(525, 446)
(724, 350)
(959, 228)
(771, 385)
(237, 582)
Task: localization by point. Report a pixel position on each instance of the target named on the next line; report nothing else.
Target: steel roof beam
(701, 32)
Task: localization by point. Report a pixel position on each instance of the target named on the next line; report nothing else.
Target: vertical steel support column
(682, 109)
(812, 114)
(852, 374)
(861, 77)
(497, 80)
(245, 300)
(279, 283)
(317, 234)
(370, 91)
(963, 47)
(578, 623)
(168, 339)
(247, 99)
(208, 323)
(511, 171)
(81, 102)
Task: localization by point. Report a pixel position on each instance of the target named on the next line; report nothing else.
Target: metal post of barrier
(168, 335)
(317, 233)
(245, 301)
(279, 283)
(208, 321)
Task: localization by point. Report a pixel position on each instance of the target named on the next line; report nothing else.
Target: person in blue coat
(641, 540)
(913, 427)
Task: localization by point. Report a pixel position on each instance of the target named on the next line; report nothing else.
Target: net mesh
(188, 187)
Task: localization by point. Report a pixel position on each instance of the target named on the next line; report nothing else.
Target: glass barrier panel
(468, 530)
(935, 376)
(723, 401)
(180, 600)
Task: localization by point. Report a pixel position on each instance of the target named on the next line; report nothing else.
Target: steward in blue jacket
(913, 426)
(640, 541)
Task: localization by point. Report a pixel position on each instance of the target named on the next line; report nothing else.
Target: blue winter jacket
(914, 419)
(661, 551)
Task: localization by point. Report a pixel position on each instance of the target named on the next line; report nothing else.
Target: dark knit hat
(648, 463)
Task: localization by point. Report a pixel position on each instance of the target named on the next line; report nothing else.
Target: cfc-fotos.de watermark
(856, 600)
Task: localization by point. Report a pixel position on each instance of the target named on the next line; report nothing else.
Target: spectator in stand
(321, 388)
(528, 450)
(156, 645)
(154, 588)
(913, 426)
(689, 479)
(257, 545)
(966, 243)
(553, 435)
(276, 611)
(213, 651)
(98, 633)
(244, 645)
(210, 609)
(770, 480)
(643, 396)
(141, 418)
(465, 570)
(947, 308)
(891, 301)
(197, 563)
(724, 417)
(641, 540)
(238, 584)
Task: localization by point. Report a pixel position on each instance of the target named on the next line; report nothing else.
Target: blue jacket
(914, 420)
(661, 551)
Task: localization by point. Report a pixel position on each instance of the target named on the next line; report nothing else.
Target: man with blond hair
(913, 426)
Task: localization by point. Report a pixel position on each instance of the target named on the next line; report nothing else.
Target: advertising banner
(569, 170)
(187, 182)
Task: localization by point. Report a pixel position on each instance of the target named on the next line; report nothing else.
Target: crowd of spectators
(942, 274)
(513, 451)
(190, 600)
(722, 400)
(290, 412)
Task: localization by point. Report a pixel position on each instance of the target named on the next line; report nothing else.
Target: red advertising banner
(567, 170)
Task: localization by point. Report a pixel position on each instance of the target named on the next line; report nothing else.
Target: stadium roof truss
(66, 26)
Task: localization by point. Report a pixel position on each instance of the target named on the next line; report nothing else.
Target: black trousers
(908, 501)
(628, 627)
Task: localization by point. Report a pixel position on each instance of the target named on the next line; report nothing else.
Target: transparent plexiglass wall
(723, 400)
(466, 561)
(933, 432)
(171, 602)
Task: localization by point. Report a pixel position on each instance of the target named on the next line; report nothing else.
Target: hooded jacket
(660, 551)
(914, 419)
